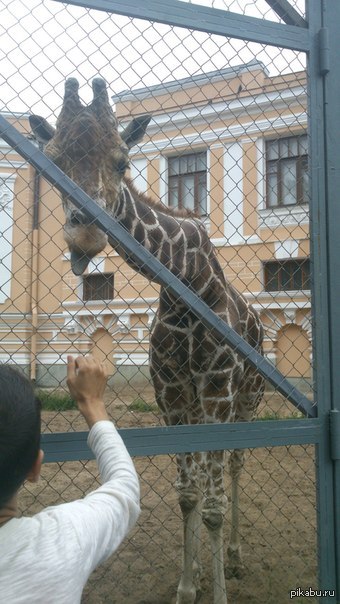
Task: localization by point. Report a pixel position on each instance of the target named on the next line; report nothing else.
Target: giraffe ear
(135, 131)
(41, 129)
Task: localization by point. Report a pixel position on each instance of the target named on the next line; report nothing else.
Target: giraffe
(197, 379)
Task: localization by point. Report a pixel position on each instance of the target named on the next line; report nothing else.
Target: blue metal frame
(71, 446)
(202, 18)
(324, 111)
(319, 41)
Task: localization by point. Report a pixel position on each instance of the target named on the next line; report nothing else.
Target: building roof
(195, 80)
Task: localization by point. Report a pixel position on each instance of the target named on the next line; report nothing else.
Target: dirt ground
(277, 516)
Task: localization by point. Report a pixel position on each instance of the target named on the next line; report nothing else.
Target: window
(287, 171)
(286, 275)
(188, 182)
(98, 287)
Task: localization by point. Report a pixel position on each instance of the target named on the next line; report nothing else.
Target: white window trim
(7, 181)
(233, 193)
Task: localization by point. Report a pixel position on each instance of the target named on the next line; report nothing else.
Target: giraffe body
(197, 378)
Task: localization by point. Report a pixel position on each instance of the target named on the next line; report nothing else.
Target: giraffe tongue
(79, 262)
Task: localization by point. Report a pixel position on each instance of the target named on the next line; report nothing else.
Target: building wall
(230, 115)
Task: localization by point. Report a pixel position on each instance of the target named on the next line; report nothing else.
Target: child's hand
(86, 380)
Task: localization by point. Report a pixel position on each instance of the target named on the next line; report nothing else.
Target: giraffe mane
(158, 206)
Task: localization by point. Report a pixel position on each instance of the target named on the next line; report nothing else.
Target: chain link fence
(227, 140)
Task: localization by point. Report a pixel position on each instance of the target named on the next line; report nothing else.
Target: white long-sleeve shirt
(48, 558)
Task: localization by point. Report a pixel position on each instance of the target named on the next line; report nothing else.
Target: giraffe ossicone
(197, 378)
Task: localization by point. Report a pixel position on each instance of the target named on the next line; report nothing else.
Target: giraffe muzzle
(79, 262)
(78, 218)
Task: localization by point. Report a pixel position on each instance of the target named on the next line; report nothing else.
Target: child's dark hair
(19, 430)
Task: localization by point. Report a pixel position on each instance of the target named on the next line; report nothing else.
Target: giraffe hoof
(186, 596)
(235, 567)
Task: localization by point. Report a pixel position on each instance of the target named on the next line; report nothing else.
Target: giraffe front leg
(190, 501)
(235, 567)
(213, 512)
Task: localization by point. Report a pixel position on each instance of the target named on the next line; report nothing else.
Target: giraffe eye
(122, 166)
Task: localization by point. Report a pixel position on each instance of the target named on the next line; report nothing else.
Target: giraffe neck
(178, 240)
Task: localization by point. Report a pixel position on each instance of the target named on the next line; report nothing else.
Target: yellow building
(230, 144)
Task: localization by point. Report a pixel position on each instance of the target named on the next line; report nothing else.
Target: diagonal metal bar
(143, 258)
(287, 12)
(202, 18)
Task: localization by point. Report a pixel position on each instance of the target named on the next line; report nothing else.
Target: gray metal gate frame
(317, 37)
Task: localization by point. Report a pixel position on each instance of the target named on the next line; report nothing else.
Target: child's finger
(80, 363)
(71, 367)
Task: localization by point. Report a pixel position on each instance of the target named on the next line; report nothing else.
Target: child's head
(19, 431)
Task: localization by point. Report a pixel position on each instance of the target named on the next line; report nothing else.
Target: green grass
(142, 406)
(55, 401)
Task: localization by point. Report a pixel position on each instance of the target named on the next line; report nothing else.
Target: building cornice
(232, 132)
(231, 109)
(18, 115)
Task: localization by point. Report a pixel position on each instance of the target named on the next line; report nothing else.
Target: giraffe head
(86, 145)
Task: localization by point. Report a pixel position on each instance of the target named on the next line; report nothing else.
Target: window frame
(300, 160)
(302, 264)
(180, 177)
(87, 287)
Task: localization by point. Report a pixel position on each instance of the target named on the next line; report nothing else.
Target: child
(49, 557)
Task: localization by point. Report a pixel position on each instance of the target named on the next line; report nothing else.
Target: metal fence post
(324, 111)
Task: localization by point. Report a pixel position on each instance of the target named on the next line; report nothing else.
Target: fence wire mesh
(227, 140)
(278, 529)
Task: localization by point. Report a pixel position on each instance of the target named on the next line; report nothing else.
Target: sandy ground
(277, 516)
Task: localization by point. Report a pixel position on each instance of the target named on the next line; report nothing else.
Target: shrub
(272, 415)
(140, 405)
(55, 401)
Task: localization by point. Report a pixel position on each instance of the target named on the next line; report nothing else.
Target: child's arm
(51, 554)
(104, 517)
